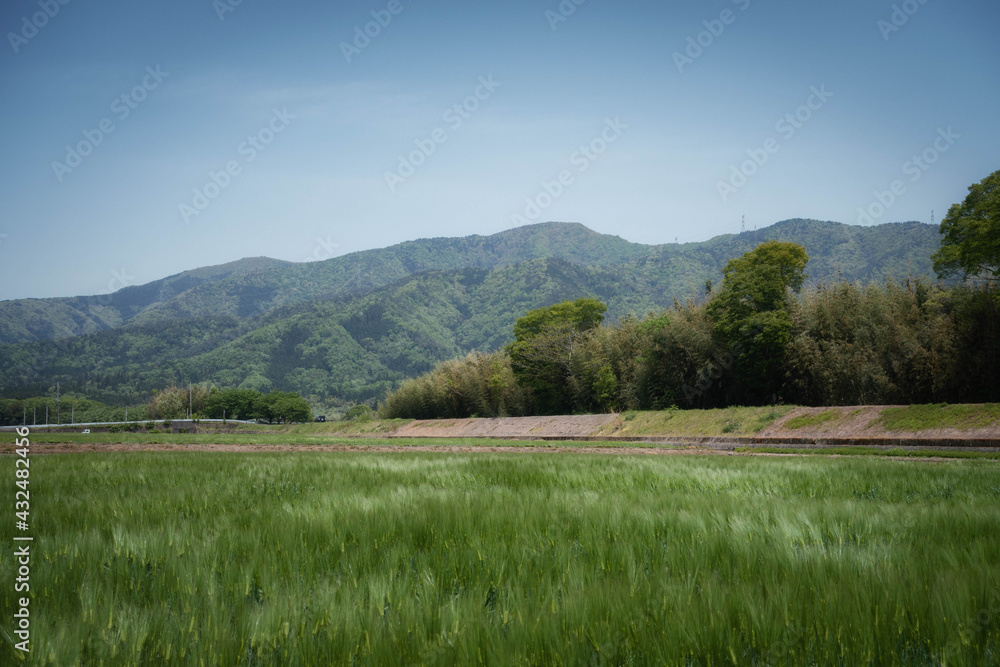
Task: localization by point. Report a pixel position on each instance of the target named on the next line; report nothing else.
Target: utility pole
(72, 417)
(190, 411)
(34, 416)
(46, 414)
(57, 404)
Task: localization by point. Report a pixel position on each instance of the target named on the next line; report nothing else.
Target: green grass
(922, 417)
(873, 451)
(271, 559)
(187, 438)
(330, 427)
(192, 438)
(818, 419)
(696, 423)
(345, 428)
(313, 440)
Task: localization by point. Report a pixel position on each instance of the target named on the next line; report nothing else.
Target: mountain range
(350, 328)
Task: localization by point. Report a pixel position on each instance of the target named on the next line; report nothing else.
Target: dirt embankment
(853, 425)
(863, 423)
(917, 427)
(575, 426)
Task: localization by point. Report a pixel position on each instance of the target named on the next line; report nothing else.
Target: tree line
(173, 402)
(836, 344)
(273, 407)
(758, 339)
(72, 408)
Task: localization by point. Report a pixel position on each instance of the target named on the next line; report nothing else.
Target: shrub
(481, 384)
(359, 413)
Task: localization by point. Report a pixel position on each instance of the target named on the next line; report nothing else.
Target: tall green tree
(232, 403)
(681, 360)
(751, 317)
(971, 231)
(581, 315)
(177, 402)
(283, 407)
(545, 341)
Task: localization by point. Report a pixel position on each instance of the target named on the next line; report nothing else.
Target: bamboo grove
(837, 343)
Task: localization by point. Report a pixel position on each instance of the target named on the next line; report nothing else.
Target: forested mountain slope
(252, 287)
(24, 320)
(350, 328)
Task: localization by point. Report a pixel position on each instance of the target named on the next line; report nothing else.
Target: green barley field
(507, 559)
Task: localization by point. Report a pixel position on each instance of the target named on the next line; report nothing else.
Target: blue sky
(650, 146)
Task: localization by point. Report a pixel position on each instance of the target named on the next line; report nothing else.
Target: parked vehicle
(86, 430)
(320, 418)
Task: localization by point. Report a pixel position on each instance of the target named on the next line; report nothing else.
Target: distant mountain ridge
(24, 320)
(249, 288)
(351, 328)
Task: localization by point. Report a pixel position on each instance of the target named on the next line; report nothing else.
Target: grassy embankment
(925, 417)
(722, 421)
(737, 421)
(343, 428)
(682, 423)
(734, 421)
(911, 418)
(459, 559)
